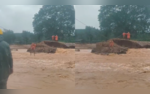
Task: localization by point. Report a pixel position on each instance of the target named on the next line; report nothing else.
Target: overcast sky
(88, 15)
(20, 17)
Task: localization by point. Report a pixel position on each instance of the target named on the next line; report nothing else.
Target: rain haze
(87, 15)
(20, 17)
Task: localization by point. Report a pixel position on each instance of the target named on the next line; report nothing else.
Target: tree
(91, 33)
(9, 36)
(27, 37)
(116, 19)
(19, 39)
(87, 35)
(52, 19)
(80, 35)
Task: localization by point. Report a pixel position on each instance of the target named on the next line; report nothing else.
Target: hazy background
(20, 17)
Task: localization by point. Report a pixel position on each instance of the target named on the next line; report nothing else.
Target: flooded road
(42, 71)
(131, 70)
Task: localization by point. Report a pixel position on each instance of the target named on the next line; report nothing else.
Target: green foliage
(27, 37)
(9, 36)
(60, 20)
(142, 37)
(92, 34)
(87, 35)
(52, 19)
(116, 19)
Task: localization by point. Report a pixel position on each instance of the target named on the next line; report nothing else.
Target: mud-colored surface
(85, 46)
(54, 44)
(42, 71)
(82, 70)
(120, 46)
(19, 46)
(127, 43)
(104, 48)
(50, 46)
(131, 70)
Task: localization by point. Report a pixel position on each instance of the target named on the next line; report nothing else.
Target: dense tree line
(50, 20)
(87, 35)
(60, 20)
(116, 19)
(25, 37)
(55, 20)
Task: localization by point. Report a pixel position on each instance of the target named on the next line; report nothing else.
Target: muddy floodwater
(42, 71)
(67, 69)
(131, 70)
